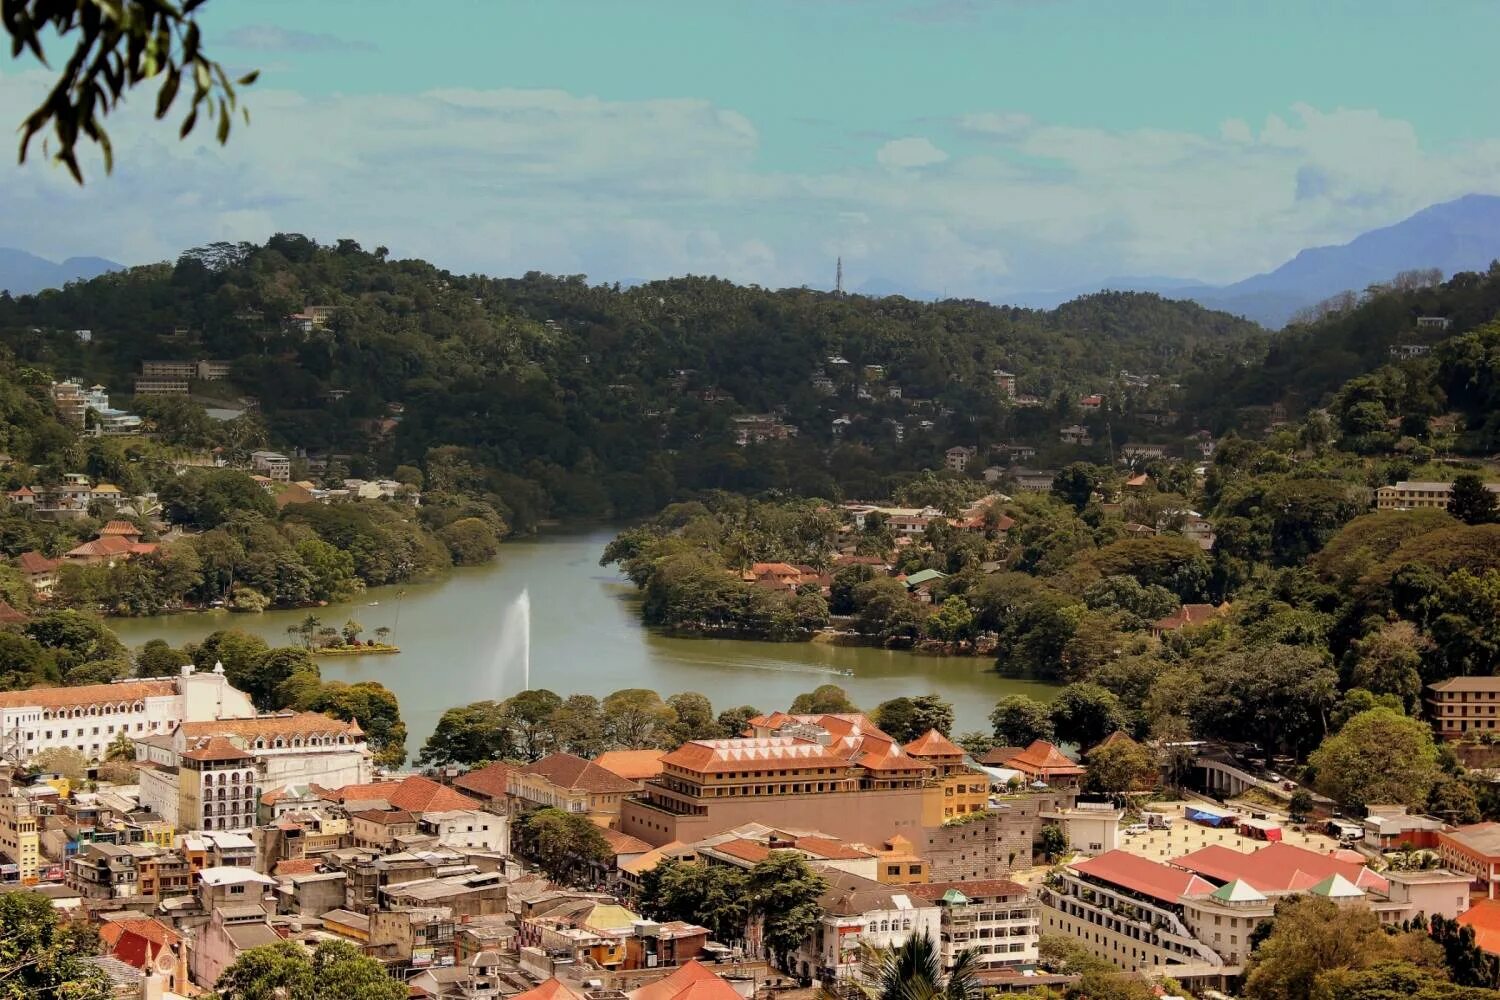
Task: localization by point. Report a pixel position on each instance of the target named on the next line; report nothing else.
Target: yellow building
(960, 789)
(18, 836)
(896, 863)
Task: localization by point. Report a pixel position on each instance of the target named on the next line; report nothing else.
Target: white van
(1136, 828)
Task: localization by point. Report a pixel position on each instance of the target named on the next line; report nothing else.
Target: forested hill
(1306, 365)
(590, 399)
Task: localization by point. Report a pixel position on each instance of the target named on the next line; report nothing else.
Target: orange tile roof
(692, 981)
(1043, 759)
(552, 989)
(632, 765)
(384, 817)
(933, 744)
(10, 616)
(1141, 875)
(122, 528)
(271, 726)
(87, 694)
(574, 773)
(215, 748)
(381, 790)
(978, 889)
(746, 850)
(623, 843)
(152, 930)
(102, 548)
(830, 849)
(751, 753)
(418, 794)
(296, 866)
(1484, 917)
(1188, 614)
(487, 782)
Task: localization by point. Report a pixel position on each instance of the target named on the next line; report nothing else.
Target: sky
(958, 147)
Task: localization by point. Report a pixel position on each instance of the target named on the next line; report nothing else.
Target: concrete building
(272, 464)
(161, 385)
(567, 782)
(290, 748)
(18, 835)
(1461, 707)
(965, 789)
(996, 918)
(957, 458)
(101, 872)
(467, 830)
(1419, 495)
(1474, 850)
(89, 716)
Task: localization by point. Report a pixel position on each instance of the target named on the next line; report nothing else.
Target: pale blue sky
(969, 146)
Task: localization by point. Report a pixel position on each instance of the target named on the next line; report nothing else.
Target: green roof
(924, 576)
(953, 896)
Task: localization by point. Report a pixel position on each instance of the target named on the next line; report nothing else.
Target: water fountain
(513, 651)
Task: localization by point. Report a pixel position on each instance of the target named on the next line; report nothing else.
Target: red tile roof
(751, 753)
(746, 850)
(1143, 876)
(552, 989)
(384, 817)
(632, 765)
(933, 744)
(979, 889)
(215, 748)
(623, 843)
(693, 981)
(122, 528)
(1484, 917)
(574, 773)
(1043, 760)
(487, 782)
(268, 727)
(87, 694)
(10, 616)
(830, 849)
(378, 790)
(1277, 867)
(418, 794)
(1188, 614)
(35, 563)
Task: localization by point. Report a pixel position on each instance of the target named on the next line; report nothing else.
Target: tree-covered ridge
(567, 398)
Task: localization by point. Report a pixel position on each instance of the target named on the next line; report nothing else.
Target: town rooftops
(215, 748)
(978, 889)
(88, 694)
(413, 793)
(232, 875)
(846, 895)
(1143, 876)
(633, 765)
(1280, 867)
(487, 782)
(623, 843)
(576, 774)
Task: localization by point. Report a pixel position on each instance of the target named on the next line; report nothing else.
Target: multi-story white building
(86, 718)
(272, 464)
(995, 918)
(1418, 495)
(290, 748)
(858, 911)
(468, 830)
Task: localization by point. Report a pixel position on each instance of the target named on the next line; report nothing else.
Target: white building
(860, 911)
(290, 748)
(995, 918)
(272, 464)
(469, 830)
(89, 716)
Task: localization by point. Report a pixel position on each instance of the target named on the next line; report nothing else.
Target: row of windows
(109, 730)
(280, 743)
(76, 713)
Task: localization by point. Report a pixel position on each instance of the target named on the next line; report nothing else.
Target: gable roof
(576, 774)
(1279, 867)
(36, 563)
(215, 748)
(933, 744)
(87, 694)
(692, 981)
(751, 752)
(268, 727)
(418, 794)
(1042, 759)
(1484, 917)
(623, 843)
(1143, 876)
(10, 616)
(552, 989)
(1237, 891)
(632, 765)
(125, 529)
(487, 782)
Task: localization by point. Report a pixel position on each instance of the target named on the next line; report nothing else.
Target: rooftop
(692, 981)
(633, 765)
(1143, 876)
(1484, 917)
(87, 694)
(933, 744)
(576, 774)
(268, 727)
(487, 782)
(1278, 867)
(1481, 838)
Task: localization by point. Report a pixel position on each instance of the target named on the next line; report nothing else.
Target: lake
(586, 638)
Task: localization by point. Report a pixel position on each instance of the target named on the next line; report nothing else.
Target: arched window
(208, 824)
(139, 706)
(235, 778)
(208, 779)
(260, 744)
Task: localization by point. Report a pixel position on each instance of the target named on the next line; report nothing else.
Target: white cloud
(510, 180)
(914, 151)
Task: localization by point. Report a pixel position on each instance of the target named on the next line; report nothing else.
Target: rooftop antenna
(838, 278)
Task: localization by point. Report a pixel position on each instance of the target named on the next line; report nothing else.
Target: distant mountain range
(22, 273)
(1459, 235)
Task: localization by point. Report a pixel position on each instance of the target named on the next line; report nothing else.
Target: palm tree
(308, 628)
(914, 971)
(120, 748)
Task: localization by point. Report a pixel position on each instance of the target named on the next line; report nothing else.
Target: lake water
(586, 638)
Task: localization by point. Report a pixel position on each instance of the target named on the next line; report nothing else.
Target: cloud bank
(507, 180)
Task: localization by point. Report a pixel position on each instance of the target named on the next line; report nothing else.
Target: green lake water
(586, 638)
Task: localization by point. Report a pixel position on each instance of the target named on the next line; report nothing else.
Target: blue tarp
(1208, 816)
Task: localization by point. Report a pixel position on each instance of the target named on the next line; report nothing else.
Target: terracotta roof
(1141, 875)
(997, 756)
(1484, 917)
(567, 771)
(122, 528)
(385, 817)
(419, 795)
(979, 889)
(646, 862)
(152, 930)
(1188, 614)
(1467, 684)
(215, 748)
(1277, 867)
(487, 782)
(830, 849)
(379, 790)
(10, 616)
(296, 866)
(24, 491)
(746, 850)
(87, 694)
(632, 765)
(623, 843)
(36, 563)
(1042, 759)
(552, 989)
(692, 981)
(751, 753)
(933, 744)
(268, 727)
